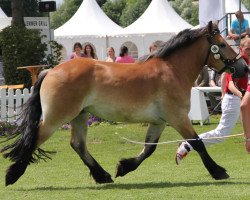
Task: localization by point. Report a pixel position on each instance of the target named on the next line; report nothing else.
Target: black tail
(23, 150)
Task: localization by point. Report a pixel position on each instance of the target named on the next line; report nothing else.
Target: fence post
(11, 103)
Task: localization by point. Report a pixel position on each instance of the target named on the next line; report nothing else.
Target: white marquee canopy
(89, 20)
(159, 17)
(4, 20)
(159, 22)
(2, 14)
(90, 24)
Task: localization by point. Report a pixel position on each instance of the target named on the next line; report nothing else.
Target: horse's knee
(79, 147)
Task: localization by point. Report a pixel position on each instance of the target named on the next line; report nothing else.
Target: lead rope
(179, 141)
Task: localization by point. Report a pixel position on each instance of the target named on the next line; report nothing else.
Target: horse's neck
(191, 60)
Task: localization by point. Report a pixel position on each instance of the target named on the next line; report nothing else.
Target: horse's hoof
(221, 176)
(119, 170)
(107, 179)
(125, 166)
(101, 178)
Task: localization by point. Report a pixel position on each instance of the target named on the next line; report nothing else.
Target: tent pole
(107, 43)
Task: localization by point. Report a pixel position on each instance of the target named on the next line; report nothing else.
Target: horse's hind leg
(184, 127)
(216, 171)
(79, 129)
(127, 165)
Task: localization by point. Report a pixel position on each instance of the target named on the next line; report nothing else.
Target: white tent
(2, 14)
(158, 23)
(159, 17)
(88, 24)
(89, 20)
(4, 20)
(212, 10)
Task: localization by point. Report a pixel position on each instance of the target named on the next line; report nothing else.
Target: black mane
(182, 39)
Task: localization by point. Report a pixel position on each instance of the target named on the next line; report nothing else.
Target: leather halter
(225, 60)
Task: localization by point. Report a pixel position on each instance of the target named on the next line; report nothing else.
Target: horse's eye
(222, 45)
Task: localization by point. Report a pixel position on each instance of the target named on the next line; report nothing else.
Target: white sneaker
(181, 152)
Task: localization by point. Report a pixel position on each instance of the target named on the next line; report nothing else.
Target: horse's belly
(132, 113)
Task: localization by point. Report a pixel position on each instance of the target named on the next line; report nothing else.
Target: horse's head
(221, 57)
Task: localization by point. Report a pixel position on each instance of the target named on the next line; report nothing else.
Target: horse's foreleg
(130, 164)
(187, 131)
(79, 128)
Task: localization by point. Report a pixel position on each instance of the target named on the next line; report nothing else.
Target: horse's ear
(210, 26)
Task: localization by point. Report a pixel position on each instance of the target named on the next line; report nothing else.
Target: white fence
(11, 102)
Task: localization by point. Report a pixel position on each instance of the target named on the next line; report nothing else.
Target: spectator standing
(77, 51)
(153, 47)
(111, 55)
(89, 51)
(123, 56)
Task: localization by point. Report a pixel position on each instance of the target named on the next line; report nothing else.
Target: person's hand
(235, 36)
(239, 94)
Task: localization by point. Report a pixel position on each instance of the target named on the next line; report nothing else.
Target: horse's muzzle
(239, 72)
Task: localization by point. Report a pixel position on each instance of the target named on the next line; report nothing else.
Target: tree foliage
(133, 11)
(64, 13)
(114, 9)
(20, 47)
(17, 13)
(31, 8)
(247, 4)
(101, 2)
(187, 9)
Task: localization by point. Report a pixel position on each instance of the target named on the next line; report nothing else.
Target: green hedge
(23, 47)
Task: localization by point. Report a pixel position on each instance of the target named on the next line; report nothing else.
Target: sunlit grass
(65, 177)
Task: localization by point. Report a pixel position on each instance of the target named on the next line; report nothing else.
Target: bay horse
(155, 90)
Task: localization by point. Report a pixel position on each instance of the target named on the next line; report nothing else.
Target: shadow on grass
(127, 186)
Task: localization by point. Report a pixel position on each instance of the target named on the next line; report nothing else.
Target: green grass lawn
(65, 177)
